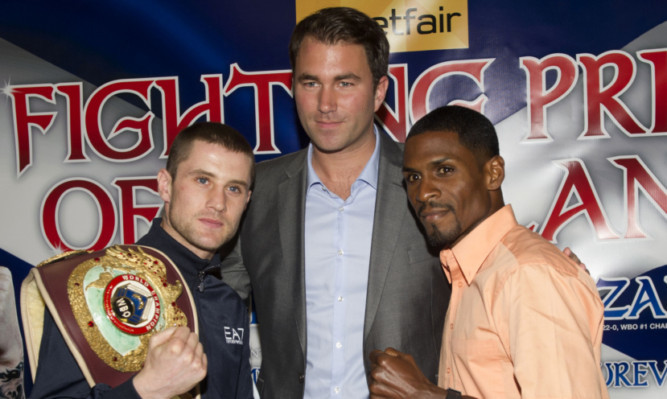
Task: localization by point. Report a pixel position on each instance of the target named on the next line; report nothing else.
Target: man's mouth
(211, 222)
(430, 213)
(327, 123)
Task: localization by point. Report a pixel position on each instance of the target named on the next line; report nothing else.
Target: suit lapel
(390, 209)
(291, 200)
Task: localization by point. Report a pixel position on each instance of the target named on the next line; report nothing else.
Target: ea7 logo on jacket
(234, 335)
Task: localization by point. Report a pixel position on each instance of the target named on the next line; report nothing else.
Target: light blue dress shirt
(337, 253)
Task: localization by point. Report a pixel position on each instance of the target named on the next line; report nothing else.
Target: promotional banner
(93, 94)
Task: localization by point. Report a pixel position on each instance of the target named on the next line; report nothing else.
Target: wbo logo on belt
(132, 304)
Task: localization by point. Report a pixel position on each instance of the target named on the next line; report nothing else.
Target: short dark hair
(344, 24)
(475, 131)
(208, 132)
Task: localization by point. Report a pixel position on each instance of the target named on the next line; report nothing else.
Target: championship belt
(107, 304)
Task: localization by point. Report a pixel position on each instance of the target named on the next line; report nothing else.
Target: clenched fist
(175, 363)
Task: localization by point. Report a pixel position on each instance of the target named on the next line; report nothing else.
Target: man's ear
(381, 91)
(164, 185)
(248, 199)
(495, 172)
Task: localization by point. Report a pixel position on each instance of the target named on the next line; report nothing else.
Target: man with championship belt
(155, 319)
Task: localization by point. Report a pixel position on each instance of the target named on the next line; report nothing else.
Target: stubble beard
(443, 240)
(190, 235)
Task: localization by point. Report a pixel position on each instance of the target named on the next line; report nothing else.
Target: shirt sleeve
(59, 375)
(553, 333)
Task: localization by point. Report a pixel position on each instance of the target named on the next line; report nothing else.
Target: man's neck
(338, 170)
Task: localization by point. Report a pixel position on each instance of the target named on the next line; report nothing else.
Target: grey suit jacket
(407, 292)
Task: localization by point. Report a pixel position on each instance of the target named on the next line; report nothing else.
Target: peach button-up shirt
(524, 321)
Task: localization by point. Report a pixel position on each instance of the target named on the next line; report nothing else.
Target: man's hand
(568, 252)
(175, 363)
(396, 375)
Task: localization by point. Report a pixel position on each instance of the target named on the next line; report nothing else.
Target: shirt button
(451, 326)
(340, 299)
(340, 252)
(336, 390)
(460, 284)
(449, 371)
(341, 209)
(338, 345)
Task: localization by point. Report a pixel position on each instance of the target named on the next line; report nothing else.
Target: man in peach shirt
(524, 321)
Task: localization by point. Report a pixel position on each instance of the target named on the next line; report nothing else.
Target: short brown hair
(344, 24)
(208, 132)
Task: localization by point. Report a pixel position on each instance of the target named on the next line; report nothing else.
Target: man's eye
(445, 170)
(346, 84)
(235, 189)
(411, 178)
(202, 180)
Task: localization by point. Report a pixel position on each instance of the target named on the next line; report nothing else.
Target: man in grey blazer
(329, 290)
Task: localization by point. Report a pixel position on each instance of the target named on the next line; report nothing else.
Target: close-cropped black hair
(475, 131)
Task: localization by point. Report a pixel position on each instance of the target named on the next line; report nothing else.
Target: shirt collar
(369, 175)
(469, 253)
